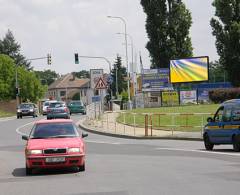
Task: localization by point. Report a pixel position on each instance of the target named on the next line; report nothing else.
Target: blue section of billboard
(204, 88)
(155, 80)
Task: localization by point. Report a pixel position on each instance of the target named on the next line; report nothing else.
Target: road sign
(110, 79)
(96, 98)
(100, 84)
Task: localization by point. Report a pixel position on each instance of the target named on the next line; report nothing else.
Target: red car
(54, 144)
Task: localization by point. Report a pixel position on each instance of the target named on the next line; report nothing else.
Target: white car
(45, 106)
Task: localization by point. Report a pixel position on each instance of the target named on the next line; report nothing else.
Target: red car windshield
(54, 130)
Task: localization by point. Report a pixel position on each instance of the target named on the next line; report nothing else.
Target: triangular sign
(100, 84)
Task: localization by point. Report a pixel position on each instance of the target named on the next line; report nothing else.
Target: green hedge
(221, 95)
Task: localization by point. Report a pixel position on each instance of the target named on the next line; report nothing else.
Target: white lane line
(102, 142)
(199, 151)
(18, 129)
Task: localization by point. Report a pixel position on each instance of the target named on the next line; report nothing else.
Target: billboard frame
(186, 59)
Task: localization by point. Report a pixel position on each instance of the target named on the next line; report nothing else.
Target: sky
(65, 27)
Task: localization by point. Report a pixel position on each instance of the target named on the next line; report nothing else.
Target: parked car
(76, 107)
(224, 127)
(58, 110)
(27, 109)
(54, 144)
(45, 106)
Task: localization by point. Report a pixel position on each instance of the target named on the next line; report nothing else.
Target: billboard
(170, 98)
(155, 80)
(95, 75)
(189, 70)
(188, 97)
(203, 94)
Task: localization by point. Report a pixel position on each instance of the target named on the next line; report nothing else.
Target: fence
(150, 124)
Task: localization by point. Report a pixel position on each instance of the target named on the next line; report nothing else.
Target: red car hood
(54, 143)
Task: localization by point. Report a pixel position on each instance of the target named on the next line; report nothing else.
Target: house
(69, 86)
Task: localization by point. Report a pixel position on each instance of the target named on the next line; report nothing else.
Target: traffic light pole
(16, 75)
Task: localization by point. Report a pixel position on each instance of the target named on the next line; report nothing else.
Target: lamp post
(131, 39)
(125, 29)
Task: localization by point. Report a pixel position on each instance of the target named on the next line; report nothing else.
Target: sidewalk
(108, 126)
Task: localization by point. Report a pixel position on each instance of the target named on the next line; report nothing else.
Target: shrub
(221, 95)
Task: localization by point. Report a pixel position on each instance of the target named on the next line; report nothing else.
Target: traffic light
(49, 59)
(76, 58)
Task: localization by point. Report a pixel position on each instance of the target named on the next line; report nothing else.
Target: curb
(90, 130)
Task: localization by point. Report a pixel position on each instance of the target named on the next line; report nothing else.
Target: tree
(121, 76)
(83, 74)
(31, 88)
(217, 72)
(226, 29)
(7, 77)
(10, 47)
(47, 76)
(167, 25)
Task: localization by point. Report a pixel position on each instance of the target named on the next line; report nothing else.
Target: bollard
(146, 125)
(134, 123)
(151, 125)
(124, 122)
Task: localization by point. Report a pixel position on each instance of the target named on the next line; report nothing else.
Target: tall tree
(167, 25)
(226, 29)
(10, 47)
(7, 77)
(121, 76)
(30, 86)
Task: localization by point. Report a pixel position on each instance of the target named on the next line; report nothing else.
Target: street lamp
(131, 39)
(125, 29)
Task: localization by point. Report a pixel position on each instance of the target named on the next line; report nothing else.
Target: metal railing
(149, 124)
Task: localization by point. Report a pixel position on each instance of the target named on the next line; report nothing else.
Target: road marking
(7, 119)
(18, 129)
(199, 151)
(102, 142)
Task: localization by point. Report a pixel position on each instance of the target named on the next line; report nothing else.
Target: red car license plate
(55, 159)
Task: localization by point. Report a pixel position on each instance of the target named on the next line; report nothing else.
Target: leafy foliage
(221, 95)
(47, 76)
(226, 29)
(10, 47)
(7, 77)
(167, 25)
(121, 75)
(31, 88)
(83, 74)
(217, 73)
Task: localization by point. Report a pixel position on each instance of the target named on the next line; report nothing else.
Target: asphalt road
(121, 167)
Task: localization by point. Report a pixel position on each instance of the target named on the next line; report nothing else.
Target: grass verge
(172, 121)
(6, 114)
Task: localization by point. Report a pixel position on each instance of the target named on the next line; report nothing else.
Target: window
(219, 114)
(62, 93)
(236, 113)
(227, 114)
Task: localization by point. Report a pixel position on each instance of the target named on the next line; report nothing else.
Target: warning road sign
(100, 84)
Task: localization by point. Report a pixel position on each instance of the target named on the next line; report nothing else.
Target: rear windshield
(76, 103)
(46, 104)
(54, 130)
(26, 106)
(56, 105)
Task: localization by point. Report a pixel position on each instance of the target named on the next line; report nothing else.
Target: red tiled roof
(68, 81)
